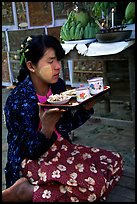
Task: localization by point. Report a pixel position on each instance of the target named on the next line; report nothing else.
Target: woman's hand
(49, 118)
(87, 106)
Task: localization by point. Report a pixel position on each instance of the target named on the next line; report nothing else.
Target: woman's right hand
(49, 118)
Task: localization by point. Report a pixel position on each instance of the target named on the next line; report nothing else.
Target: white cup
(96, 85)
(82, 94)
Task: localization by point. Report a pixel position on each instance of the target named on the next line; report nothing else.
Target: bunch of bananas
(73, 30)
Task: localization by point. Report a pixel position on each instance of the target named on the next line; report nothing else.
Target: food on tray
(71, 102)
(58, 98)
(71, 92)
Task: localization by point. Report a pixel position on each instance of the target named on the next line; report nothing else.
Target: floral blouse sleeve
(21, 111)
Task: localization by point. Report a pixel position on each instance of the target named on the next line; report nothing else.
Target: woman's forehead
(50, 52)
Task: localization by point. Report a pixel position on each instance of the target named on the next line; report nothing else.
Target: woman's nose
(58, 65)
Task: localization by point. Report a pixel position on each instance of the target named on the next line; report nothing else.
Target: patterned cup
(96, 85)
(82, 94)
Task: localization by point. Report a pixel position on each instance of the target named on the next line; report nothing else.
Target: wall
(21, 19)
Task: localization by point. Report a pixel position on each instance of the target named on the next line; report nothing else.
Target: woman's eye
(50, 62)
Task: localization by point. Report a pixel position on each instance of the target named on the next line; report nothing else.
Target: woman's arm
(22, 125)
(71, 119)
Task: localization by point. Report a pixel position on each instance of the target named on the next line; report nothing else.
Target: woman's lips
(56, 75)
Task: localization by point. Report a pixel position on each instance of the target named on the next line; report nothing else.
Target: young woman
(42, 164)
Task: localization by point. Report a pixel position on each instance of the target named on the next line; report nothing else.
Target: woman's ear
(30, 66)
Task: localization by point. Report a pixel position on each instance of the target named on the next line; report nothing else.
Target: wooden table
(128, 54)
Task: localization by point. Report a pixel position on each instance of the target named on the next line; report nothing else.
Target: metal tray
(73, 104)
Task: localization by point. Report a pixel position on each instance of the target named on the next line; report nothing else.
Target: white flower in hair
(29, 39)
(26, 50)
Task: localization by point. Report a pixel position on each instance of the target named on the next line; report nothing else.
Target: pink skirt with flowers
(73, 173)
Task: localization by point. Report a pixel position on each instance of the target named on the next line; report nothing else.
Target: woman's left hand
(89, 105)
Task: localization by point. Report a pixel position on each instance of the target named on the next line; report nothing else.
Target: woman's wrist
(47, 132)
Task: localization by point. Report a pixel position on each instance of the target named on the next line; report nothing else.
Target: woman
(43, 165)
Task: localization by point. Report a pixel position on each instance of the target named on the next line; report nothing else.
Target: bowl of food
(113, 36)
(71, 93)
(58, 99)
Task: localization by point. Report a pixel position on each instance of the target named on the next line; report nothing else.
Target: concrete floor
(113, 131)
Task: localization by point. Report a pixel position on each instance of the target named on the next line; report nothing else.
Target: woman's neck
(41, 87)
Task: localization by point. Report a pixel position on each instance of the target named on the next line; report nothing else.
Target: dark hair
(33, 49)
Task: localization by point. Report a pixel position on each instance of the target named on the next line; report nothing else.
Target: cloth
(73, 173)
(97, 48)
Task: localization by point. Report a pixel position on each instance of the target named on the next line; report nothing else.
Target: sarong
(73, 173)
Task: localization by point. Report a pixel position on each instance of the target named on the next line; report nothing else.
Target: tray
(73, 101)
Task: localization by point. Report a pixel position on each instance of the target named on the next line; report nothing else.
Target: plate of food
(58, 99)
(71, 93)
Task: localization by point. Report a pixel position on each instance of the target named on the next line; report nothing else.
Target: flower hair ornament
(24, 49)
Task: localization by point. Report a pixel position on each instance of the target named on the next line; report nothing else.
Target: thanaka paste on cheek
(46, 73)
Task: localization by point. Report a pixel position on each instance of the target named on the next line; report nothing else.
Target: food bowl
(114, 36)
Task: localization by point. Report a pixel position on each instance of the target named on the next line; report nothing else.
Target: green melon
(130, 12)
(82, 17)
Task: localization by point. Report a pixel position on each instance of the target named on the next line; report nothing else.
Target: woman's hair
(33, 48)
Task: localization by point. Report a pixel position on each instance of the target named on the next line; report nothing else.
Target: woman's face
(48, 68)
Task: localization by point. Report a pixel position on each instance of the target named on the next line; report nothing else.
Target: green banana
(81, 33)
(86, 32)
(67, 33)
(72, 33)
(89, 30)
(62, 35)
(93, 30)
(71, 16)
(77, 32)
(66, 26)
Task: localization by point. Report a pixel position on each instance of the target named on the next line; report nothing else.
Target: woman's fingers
(49, 112)
(89, 105)
(42, 109)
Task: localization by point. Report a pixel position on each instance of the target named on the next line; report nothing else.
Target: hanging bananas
(73, 30)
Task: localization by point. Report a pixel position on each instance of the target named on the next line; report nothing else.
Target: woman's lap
(70, 173)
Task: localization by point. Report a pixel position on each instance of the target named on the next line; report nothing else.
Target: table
(107, 51)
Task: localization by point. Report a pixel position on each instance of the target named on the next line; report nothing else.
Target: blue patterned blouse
(22, 120)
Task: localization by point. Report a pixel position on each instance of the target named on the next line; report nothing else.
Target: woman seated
(43, 165)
